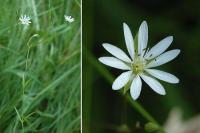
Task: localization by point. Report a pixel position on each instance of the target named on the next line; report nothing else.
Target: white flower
(25, 20)
(69, 19)
(139, 66)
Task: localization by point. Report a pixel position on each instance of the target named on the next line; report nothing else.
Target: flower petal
(154, 84)
(129, 40)
(136, 87)
(159, 48)
(142, 37)
(167, 77)
(163, 58)
(121, 80)
(114, 62)
(117, 52)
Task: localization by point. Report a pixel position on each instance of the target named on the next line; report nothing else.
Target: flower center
(138, 65)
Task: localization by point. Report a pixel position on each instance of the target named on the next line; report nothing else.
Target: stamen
(146, 52)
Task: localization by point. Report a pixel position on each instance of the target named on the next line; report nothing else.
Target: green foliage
(39, 67)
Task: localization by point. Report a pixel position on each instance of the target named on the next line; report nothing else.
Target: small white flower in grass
(25, 20)
(69, 19)
(141, 61)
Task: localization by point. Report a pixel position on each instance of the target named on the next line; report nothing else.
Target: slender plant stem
(20, 119)
(140, 109)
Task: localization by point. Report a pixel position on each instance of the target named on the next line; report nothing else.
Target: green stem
(108, 76)
(141, 110)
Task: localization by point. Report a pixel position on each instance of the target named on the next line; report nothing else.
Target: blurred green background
(105, 110)
(40, 67)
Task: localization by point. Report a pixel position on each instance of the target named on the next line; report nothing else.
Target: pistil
(138, 65)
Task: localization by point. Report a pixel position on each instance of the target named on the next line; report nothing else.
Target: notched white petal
(121, 80)
(114, 62)
(129, 40)
(159, 48)
(136, 87)
(117, 52)
(167, 77)
(164, 58)
(142, 37)
(154, 84)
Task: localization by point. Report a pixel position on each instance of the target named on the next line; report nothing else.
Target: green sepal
(126, 87)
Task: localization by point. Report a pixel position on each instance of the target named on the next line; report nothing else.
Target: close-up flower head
(140, 63)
